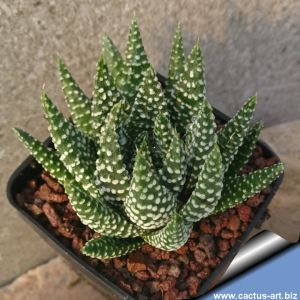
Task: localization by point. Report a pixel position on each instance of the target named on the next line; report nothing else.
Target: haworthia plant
(134, 149)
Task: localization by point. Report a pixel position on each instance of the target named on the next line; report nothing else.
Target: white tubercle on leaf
(78, 103)
(111, 174)
(149, 204)
(208, 188)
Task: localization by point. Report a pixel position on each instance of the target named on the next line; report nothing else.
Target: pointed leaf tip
(149, 101)
(114, 62)
(45, 156)
(189, 91)
(253, 99)
(136, 61)
(231, 137)
(16, 130)
(77, 102)
(46, 102)
(60, 62)
(113, 176)
(149, 204)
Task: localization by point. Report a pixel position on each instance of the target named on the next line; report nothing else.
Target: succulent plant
(142, 163)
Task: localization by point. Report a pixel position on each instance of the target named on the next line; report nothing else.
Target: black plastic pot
(26, 171)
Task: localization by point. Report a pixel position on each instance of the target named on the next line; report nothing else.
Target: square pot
(26, 171)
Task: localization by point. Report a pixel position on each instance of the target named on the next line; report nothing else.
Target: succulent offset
(142, 163)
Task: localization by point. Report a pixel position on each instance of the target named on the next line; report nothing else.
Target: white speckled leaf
(149, 204)
(189, 91)
(111, 173)
(163, 132)
(231, 137)
(199, 141)
(105, 96)
(75, 150)
(239, 189)
(78, 103)
(208, 189)
(47, 157)
(98, 215)
(174, 235)
(176, 68)
(114, 61)
(148, 103)
(245, 150)
(108, 247)
(173, 169)
(136, 62)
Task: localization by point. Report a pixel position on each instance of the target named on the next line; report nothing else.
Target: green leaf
(47, 157)
(114, 61)
(189, 91)
(149, 204)
(173, 167)
(96, 214)
(199, 141)
(163, 132)
(245, 150)
(231, 137)
(105, 96)
(208, 189)
(176, 68)
(76, 151)
(136, 61)
(78, 103)
(107, 247)
(111, 173)
(148, 103)
(171, 237)
(238, 189)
